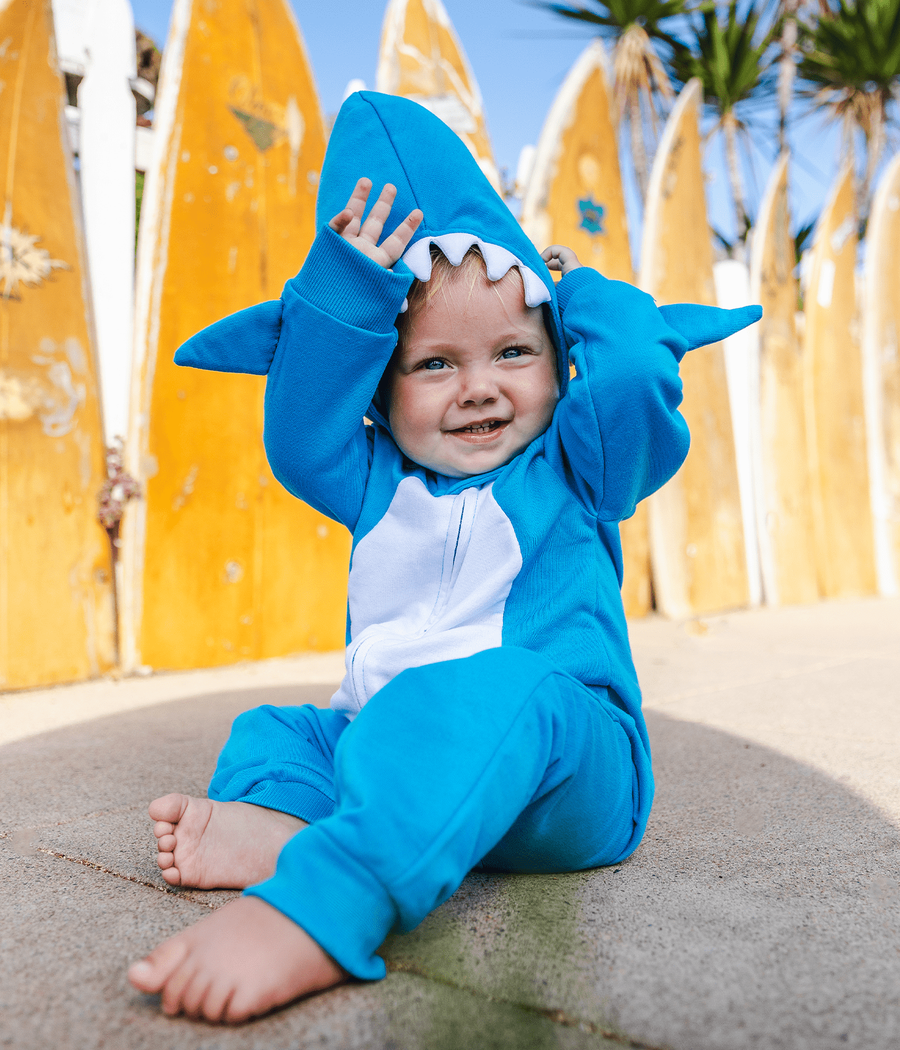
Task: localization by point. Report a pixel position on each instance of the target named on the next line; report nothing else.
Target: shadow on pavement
(761, 911)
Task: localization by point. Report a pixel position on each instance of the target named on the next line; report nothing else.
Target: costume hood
(391, 139)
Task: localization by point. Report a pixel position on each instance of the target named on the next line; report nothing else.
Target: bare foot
(243, 960)
(218, 845)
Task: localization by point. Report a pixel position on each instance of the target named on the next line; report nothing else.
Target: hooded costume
(485, 615)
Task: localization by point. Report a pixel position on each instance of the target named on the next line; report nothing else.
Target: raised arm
(336, 338)
(620, 433)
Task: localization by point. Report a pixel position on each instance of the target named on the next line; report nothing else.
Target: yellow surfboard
(422, 59)
(783, 496)
(835, 418)
(696, 531)
(574, 197)
(56, 599)
(221, 563)
(881, 372)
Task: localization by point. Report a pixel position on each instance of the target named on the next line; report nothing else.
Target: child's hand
(364, 236)
(559, 257)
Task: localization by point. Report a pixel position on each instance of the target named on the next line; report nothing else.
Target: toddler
(490, 713)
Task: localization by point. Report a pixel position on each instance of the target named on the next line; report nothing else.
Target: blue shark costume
(490, 713)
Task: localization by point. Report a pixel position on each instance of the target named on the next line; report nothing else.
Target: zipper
(456, 544)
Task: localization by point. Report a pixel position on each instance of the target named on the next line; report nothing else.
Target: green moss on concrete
(514, 938)
(426, 1015)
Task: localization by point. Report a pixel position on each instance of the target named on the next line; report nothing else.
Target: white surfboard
(107, 157)
(741, 352)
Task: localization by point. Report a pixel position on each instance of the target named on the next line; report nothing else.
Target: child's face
(475, 380)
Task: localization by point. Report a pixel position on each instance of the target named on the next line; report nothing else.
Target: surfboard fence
(791, 492)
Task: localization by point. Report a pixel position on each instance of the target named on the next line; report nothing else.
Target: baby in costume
(490, 712)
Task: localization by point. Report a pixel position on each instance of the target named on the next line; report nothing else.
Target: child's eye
(432, 364)
(512, 352)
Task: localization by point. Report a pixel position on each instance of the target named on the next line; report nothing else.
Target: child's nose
(478, 386)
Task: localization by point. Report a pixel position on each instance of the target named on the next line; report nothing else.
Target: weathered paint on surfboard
(881, 373)
(574, 197)
(221, 563)
(696, 533)
(783, 498)
(835, 419)
(56, 601)
(421, 58)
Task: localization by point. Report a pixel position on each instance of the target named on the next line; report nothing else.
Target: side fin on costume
(242, 342)
(702, 325)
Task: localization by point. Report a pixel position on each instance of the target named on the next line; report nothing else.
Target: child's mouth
(485, 430)
(482, 428)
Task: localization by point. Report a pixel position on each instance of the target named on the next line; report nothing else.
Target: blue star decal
(592, 215)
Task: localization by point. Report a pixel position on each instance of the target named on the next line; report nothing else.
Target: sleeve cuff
(348, 286)
(574, 280)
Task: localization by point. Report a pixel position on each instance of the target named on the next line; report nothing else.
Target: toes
(241, 1007)
(162, 828)
(150, 974)
(169, 872)
(169, 808)
(174, 989)
(167, 844)
(218, 997)
(195, 994)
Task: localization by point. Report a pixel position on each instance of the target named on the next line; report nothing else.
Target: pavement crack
(559, 1017)
(169, 891)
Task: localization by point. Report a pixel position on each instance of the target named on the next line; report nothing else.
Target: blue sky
(520, 56)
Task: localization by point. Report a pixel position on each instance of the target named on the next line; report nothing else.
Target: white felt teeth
(418, 259)
(535, 289)
(498, 262)
(455, 245)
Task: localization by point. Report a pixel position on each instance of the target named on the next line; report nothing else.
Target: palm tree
(641, 80)
(787, 65)
(733, 59)
(851, 67)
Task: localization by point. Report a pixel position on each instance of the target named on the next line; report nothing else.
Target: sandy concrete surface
(761, 911)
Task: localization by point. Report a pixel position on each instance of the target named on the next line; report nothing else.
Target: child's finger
(395, 245)
(374, 224)
(559, 257)
(359, 196)
(342, 220)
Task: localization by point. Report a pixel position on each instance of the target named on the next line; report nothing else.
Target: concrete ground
(761, 911)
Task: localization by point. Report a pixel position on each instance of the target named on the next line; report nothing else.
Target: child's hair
(470, 271)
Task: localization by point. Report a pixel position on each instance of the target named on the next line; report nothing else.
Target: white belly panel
(428, 583)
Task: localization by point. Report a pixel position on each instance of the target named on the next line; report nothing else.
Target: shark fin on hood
(702, 325)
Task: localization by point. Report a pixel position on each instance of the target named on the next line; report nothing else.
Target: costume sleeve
(336, 338)
(618, 428)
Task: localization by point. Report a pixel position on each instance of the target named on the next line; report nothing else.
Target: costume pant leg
(433, 773)
(281, 758)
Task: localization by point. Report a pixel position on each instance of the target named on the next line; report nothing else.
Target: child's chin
(472, 466)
